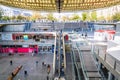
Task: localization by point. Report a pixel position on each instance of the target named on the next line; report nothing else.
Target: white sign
(6, 36)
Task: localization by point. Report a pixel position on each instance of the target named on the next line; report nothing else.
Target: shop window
(45, 48)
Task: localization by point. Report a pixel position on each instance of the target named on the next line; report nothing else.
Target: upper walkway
(110, 60)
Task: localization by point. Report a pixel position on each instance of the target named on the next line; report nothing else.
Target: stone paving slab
(35, 71)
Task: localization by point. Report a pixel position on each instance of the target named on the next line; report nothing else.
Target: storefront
(45, 48)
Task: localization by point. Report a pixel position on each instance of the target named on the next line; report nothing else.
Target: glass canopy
(59, 5)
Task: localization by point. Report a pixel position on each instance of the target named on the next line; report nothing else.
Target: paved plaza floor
(35, 71)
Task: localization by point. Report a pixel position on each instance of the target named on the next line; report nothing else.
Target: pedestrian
(57, 71)
(36, 62)
(57, 58)
(47, 78)
(48, 69)
(11, 62)
(85, 35)
(42, 63)
(25, 72)
(82, 34)
(48, 66)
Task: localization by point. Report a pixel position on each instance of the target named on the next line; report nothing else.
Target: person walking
(25, 73)
(36, 63)
(48, 69)
(11, 62)
(47, 77)
(42, 63)
(85, 35)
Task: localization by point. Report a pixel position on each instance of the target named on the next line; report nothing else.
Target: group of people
(84, 35)
(48, 67)
(43, 64)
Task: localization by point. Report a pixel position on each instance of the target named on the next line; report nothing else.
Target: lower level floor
(31, 64)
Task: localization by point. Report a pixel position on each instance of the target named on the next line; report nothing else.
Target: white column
(99, 66)
(109, 76)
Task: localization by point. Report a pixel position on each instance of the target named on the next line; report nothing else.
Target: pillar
(99, 66)
(110, 76)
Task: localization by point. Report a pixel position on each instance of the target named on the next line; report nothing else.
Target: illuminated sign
(25, 37)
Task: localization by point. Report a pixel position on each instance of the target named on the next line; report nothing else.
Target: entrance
(45, 49)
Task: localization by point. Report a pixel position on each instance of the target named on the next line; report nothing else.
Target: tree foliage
(5, 18)
(1, 12)
(109, 18)
(84, 16)
(116, 16)
(13, 18)
(36, 16)
(75, 17)
(93, 15)
(65, 18)
(101, 18)
(51, 17)
(19, 17)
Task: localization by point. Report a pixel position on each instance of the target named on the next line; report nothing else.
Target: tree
(13, 18)
(19, 17)
(109, 18)
(36, 15)
(93, 15)
(5, 18)
(88, 17)
(1, 12)
(28, 18)
(84, 16)
(116, 16)
(75, 17)
(51, 17)
(65, 18)
(101, 18)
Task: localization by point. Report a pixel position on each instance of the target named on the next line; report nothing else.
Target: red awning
(111, 31)
(100, 31)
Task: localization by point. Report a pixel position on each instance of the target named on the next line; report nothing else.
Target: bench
(14, 73)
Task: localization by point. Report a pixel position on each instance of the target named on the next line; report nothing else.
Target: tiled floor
(35, 71)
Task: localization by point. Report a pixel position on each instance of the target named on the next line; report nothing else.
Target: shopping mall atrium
(59, 47)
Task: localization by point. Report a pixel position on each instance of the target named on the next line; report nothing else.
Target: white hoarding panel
(6, 36)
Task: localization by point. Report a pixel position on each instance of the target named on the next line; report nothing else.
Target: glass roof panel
(60, 5)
